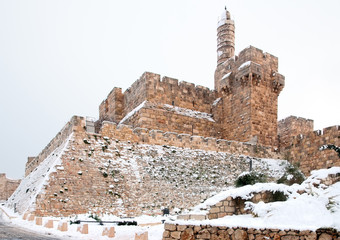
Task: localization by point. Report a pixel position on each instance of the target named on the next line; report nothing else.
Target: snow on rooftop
(217, 100)
(130, 114)
(245, 64)
(189, 112)
(226, 76)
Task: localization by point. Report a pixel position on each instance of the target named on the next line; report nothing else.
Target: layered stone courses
(305, 149)
(125, 183)
(202, 231)
(7, 186)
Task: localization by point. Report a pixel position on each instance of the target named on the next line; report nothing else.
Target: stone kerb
(202, 231)
(109, 232)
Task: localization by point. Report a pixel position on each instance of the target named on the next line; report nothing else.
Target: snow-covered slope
(25, 195)
(309, 206)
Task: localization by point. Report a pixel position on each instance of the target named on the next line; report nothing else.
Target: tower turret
(225, 46)
(225, 37)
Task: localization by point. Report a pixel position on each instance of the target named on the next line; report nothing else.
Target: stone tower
(225, 39)
(249, 85)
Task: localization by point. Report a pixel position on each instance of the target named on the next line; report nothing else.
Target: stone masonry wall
(129, 178)
(249, 85)
(166, 117)
(157, 137)
(112, 108)
(54, 143)
(203, 231)
(149, 87)
(304, 149)
(291, 127)
(7, 186)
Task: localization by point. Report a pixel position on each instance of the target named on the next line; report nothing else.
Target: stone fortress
(163, 142)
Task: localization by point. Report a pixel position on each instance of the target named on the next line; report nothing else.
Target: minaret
(225, 45)
(225, 38)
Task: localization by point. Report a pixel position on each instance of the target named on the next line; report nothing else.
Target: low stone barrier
(83, 229)
(142, 236)
(188, 232)
(109, 232)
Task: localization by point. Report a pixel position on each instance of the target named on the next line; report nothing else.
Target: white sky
(61, 58)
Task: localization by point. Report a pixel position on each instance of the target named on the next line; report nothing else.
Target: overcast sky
(61, 58)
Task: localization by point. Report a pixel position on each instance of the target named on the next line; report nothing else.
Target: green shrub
(279, 196)
(292, 175)
(250, 178)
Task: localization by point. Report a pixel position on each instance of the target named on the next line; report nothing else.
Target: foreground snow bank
(309, 206)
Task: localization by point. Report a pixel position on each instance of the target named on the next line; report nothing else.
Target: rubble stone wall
(202, 231)
(7, 186)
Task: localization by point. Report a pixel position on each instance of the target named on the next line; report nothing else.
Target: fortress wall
(74, 124)
(158, 137)
(112, 108)
(250, 93)
(129, 178)
(7, 186)
(293, 126)
(156, 116)
(181, 94)
(137, 93)
(304, 149)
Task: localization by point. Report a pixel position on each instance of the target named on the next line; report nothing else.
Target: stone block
(198, 217)
(62, 226)
(31, 217)
(109, 232)
(24, 217)
(142, 236)
(175, 235)
(49, 224)
(38, 221)
(214, 210)
(83, 229)
(170, 227)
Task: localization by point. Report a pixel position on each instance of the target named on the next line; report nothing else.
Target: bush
(279, 196)
(292, 175)
(250, 178)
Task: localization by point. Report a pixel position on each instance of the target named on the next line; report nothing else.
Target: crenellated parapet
(251, 67)
(304, 149)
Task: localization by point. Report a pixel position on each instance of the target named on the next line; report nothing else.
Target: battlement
(153, 88)
(291, 127)
(304, 148)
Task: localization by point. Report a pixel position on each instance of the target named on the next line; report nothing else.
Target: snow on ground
(318, 207)
(155, 232)
(30, 186)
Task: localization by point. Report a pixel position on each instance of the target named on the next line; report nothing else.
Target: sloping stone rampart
(76, 123)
